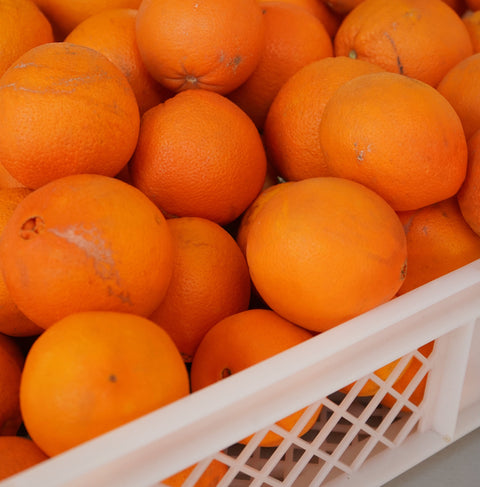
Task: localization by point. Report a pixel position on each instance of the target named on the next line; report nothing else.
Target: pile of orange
(188, 187)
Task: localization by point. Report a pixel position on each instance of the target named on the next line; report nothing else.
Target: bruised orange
(86, 242)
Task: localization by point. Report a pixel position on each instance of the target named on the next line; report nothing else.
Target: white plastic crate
(356, 441)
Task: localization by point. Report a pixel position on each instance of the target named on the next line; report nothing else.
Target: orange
(469, 193)
(293, 38)
(209, 478)
(344, 6)
(17, 454)
(329, 19)
(64, 16)
(325, 250)
(11, 365)
(94, 371)
(371, 387)
(460, 87)
(12, 321)
(212, 44)
(240, 341)
(22, 26)
(407, 376)
(210, 281)
(413, 154)
(7, 181)
(112, 33)
(199, 154)
(66, 109)
(472, 22)
(421, 39)
(439, 240)
(249, 215)
(291, 135)
(86, 242)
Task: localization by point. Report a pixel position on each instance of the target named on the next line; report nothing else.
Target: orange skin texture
(22, 27)
(322, 239)
(439, 240)
(222, 48)
(7, 181)
(469, 194)
(102, 245)
(252, 211)
(472, 22)
(240, 341)
(65, 16)
(66, 109)
(11, 365)
(421, 39)
(209, 478)
(423, 163)
(17, 454)
(291, 135)
(213, 170)
(112, 33)
(12, 321)
(210, 281)
(460, 88)
(94, 371)
(329, 19)
(404, 380)
(293, 38)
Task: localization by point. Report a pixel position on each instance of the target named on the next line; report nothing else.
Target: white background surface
(457, 465)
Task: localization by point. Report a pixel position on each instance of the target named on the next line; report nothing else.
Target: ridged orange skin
(293, 38)
(291, 135)
(240, 341)
(11, 365)
(18, 453)
(65, 16)
(66, 109)
(222, 48)
(94, 371)
(320, 240)
(12, 321)
(469, 194)
(421, 39)
(439, 240)
(199, 154)
(421, 164)
(22, 27)
(86, 242)
(330, 19)
(112, 33)
(459, 86)
(210, 281)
